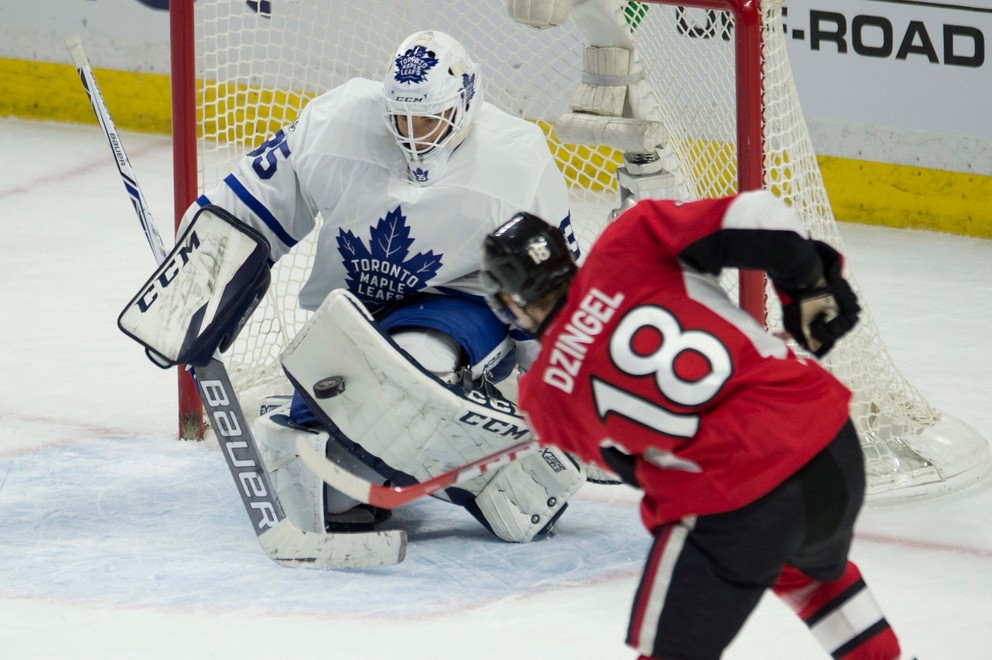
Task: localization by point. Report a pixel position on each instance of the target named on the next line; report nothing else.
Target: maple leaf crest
(413, 65)
(384, 270)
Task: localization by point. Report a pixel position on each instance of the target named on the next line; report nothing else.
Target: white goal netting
(257, 64)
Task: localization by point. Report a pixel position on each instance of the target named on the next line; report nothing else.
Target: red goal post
(184, 172)
(716, 75)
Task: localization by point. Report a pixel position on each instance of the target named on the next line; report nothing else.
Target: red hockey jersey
(649, 355)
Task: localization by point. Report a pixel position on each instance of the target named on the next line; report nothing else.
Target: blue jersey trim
(472, 325)
(455, 293)
(260, 210)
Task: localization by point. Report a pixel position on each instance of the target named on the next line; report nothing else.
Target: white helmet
(433, 91)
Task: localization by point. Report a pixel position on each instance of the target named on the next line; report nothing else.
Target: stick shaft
(391, 497)
(75, 46)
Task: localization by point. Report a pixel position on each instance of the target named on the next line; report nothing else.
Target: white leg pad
(391, 407)
(523, 497)
(336, 501)
(300, 491)
(433, 350)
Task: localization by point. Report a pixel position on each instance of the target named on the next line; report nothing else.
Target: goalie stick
(75, 46)
(391, 497)
(282, 542)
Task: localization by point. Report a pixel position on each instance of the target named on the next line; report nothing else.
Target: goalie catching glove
(200, 296)
(820, 315)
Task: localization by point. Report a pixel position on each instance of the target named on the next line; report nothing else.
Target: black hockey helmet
(526, 259)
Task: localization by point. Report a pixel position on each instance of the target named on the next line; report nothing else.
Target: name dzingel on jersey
(572, 344)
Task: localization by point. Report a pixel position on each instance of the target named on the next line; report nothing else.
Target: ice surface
(118, 541)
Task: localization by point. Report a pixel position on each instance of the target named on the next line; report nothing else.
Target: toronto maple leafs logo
(413, 65)
(468, 88)
(421, 175)
(384, 270)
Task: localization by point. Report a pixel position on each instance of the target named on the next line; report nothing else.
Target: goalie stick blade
(391, 497)
(287, 545)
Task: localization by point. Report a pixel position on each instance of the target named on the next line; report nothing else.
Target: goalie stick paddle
(280, 539)
(391, 497)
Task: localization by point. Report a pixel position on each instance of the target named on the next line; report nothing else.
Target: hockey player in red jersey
(751, 469)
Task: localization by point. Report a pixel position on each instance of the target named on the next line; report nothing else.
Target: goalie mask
(525, 260)
(432, 92)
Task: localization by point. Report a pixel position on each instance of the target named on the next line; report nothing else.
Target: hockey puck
(329, 387)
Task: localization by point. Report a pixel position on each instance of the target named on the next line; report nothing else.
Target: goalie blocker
(200, 296)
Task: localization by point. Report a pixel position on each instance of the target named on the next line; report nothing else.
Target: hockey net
(258, 63)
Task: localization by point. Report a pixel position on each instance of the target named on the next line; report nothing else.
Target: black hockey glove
(817, 317)
(621, 463)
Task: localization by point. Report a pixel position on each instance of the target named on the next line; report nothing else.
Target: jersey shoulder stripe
(259, 210)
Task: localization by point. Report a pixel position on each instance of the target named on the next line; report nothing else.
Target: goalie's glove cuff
(820, 315)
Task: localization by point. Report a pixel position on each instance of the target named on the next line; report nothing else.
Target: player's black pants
(705, 576)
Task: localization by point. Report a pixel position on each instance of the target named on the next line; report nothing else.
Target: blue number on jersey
(268, 151)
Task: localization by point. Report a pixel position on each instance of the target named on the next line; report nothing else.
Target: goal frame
(710, 79)
(184, 173)
(750, 171)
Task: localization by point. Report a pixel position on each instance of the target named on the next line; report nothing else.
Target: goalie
(408, 177)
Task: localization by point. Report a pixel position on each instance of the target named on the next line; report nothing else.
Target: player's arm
(551, 201)
(263, 191)
(758, 231)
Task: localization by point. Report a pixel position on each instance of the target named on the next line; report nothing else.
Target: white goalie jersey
(383, 237)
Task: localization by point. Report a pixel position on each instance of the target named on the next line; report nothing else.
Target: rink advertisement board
(904, 82)
(125, 35)
(899, 81)
(896, 80)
